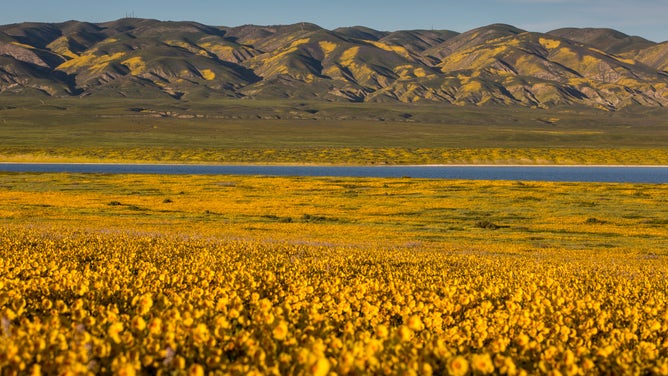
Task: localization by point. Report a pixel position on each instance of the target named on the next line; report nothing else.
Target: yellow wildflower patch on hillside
(598, 51)
(61, 47)
(578, 81)
(348, 55)
(327, 47)
(565, 54)
(361, 72)
(630, 82)
(473, 58)
(403, 70)
(179, 43)
(409, 71)
(91, 61)
(529, 65)
(207, 74)
(627, 61)
(549, 44)
(22, 45)
(298, 42)
(420, 72)
(396, 49)
(471, 86)
(332, 71)
(454, 59)
(590, 62)
(290, 49)
(135, 64)
(214, 47)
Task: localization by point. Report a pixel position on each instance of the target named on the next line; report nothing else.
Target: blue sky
(646, 18)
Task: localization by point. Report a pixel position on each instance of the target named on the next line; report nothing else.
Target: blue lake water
(630, 174)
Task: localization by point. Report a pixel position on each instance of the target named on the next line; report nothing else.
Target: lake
(621, 174)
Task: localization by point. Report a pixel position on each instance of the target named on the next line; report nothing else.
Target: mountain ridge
(496, 64)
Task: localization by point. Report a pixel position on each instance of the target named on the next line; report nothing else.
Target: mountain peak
(361, 32)
(609, 40)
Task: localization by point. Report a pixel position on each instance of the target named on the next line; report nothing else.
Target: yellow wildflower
(196, 370)
(320, 367)
(458, 366)
(482, 363)
(138, 323)
(381, 331)
(405, 334)
(114, 331)
(415, 323)
(280, 331)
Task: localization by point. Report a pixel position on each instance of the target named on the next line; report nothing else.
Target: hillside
(495, 65)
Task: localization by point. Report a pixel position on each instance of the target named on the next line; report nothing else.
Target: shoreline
(466, 165)
(556, 173)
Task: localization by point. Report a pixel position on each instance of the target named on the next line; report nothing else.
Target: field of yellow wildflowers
(261, 275)
(341, 155)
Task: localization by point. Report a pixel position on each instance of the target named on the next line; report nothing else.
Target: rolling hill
(492, 65)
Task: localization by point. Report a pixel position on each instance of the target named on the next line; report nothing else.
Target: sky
(645, 18)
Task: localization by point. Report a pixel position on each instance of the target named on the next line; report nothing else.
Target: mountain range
(491, 65)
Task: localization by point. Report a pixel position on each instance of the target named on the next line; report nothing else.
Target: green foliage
(230, 132)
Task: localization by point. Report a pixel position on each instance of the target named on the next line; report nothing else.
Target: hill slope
(496, 64)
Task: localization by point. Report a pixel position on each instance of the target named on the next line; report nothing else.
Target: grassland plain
(245, 131)
(139, 274)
